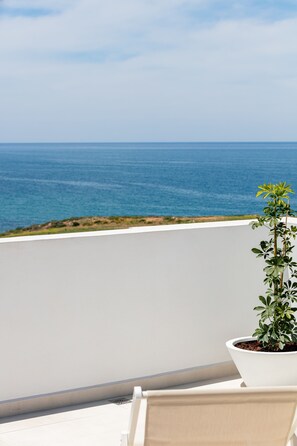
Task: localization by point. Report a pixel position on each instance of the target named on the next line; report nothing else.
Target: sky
(148, 70)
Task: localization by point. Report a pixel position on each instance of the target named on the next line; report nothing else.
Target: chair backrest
(253, 417)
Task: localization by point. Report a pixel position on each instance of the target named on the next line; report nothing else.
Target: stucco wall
(88, 309)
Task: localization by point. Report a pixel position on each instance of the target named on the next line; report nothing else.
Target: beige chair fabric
(237, 417)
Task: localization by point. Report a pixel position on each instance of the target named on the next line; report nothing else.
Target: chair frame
(128, 437)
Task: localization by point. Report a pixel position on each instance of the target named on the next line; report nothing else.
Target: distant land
(84, 224)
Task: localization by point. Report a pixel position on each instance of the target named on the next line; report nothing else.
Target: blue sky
(148, 70)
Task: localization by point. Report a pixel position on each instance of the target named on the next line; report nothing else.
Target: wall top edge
(132, 230)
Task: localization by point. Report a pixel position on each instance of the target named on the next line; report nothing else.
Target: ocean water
(42, 182)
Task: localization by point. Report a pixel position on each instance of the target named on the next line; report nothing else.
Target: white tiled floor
(97, 424)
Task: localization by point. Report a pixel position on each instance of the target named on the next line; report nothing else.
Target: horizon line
(154, 142)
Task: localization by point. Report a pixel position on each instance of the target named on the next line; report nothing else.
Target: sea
(43, 182)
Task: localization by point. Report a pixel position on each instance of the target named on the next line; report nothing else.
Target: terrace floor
(97, 424)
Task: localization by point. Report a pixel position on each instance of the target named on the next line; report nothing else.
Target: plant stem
(275, 247)
(284, 249)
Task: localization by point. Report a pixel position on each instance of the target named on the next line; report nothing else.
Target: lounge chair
(204, 417)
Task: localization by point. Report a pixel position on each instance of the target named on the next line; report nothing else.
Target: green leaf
(257, 251)
(259, 308)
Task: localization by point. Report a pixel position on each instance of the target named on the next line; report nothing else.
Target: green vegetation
(82, 224)
(277, 322)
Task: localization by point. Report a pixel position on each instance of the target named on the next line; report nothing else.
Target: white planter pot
(264, 368)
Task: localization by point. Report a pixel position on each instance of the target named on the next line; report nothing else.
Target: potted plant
(270, 356)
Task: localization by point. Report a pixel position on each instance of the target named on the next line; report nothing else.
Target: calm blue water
(42, 182)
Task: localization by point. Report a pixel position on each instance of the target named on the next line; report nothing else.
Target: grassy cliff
(80, 224)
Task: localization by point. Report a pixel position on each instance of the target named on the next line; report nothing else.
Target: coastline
(103, 223)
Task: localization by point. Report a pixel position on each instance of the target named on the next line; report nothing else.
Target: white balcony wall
(87, 309)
